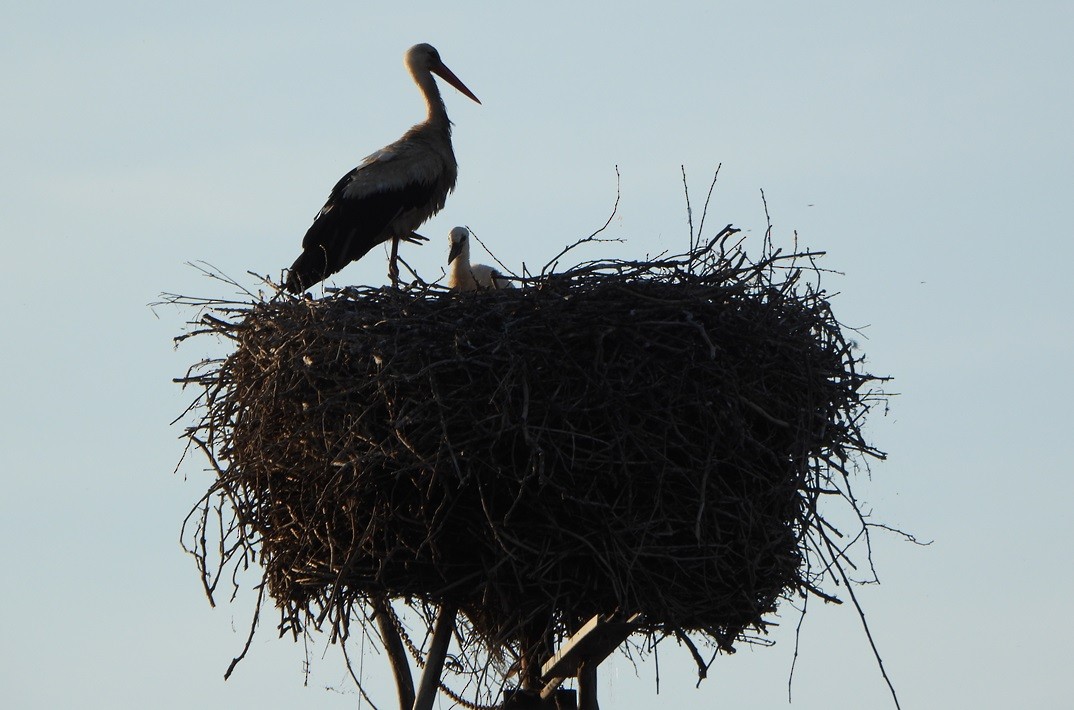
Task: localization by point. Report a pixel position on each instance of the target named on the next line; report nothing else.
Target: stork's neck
(461, 264)
(436, 112)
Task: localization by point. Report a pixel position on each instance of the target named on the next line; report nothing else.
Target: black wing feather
(346, 229)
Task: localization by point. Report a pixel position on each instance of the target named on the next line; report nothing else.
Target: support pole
(434, 662)
(393, 645)
(587, 686)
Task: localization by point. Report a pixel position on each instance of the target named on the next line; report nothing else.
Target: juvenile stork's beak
(456, 249)
(447, 75)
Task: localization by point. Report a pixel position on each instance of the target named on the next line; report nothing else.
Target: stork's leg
(393, 263)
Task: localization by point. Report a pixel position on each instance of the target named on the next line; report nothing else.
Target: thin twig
(689, 211)
(551, 264)
(705, 210)
(250, 637)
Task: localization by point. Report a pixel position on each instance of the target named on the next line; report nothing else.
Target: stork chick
(464, 276)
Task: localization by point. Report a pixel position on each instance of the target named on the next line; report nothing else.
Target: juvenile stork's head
(459, 238)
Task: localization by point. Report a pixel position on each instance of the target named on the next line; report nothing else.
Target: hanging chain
(416, 653)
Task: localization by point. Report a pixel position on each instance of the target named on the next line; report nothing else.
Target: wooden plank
(590, 645)
(594, 642)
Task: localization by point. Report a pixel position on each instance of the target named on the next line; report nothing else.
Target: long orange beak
(447, 75)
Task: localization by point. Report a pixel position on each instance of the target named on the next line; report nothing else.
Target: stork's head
(460, 241)
(422, 55)
(423, 58)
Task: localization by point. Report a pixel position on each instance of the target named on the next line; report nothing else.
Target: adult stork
(392, 192)
(464, 276)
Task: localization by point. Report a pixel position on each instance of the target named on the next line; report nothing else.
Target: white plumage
(464, 276)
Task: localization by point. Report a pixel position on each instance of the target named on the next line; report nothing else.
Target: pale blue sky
(926, 146)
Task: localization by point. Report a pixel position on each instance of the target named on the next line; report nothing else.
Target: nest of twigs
(628, 437)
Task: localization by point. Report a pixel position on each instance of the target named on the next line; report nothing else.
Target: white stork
(392, 192)
(464, 276)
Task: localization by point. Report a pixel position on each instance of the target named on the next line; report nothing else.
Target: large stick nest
(624, 436)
